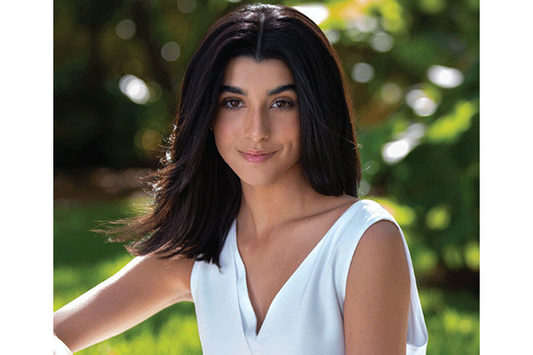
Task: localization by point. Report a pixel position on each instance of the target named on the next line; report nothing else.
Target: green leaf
(448, 128)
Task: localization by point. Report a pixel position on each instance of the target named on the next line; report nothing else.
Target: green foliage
(73, 239)
(452, 320)
(450, 127)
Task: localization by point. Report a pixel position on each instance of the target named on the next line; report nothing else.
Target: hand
(60, 348)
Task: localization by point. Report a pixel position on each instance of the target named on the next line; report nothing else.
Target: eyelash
(289, 104)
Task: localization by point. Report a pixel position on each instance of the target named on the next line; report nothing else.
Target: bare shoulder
(380, 252)
(377, 293)
(383, 236)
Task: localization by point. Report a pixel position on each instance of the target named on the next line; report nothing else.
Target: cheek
(290, 133)
(225, 135)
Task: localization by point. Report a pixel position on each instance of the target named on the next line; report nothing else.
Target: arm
(376, 306)
(142, 288)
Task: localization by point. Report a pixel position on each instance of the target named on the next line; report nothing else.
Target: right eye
(231, 103)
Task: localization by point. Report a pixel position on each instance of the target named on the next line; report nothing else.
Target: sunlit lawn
(82, 259)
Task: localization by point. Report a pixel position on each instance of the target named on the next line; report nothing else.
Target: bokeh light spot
(424, 106)
(355, 35)
(125, 29)
(186, 6)
(150, 139)
(390, 93)
(438, 218)
(421, 104)
(332, 35)
(170, 51)
(425, 259)
(135, 89)
(445, 77)
(414, 95)
(452, 257)
(471, 253)
(382, 42)
(364, 188)
(371, 167)
(362, 72)
(395, 151)
(366, 23)
(431, 6)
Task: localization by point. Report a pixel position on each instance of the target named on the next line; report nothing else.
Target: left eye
(282, 104)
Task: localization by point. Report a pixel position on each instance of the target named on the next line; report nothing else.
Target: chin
(269, 176)
(257, 180)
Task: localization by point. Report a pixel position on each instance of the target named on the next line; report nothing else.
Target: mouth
(257, 156)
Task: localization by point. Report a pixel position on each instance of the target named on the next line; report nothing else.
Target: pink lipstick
(257, 156)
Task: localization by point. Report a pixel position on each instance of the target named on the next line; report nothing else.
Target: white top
(306, 316)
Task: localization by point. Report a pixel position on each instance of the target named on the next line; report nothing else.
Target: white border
(506, 177)
(26, 89)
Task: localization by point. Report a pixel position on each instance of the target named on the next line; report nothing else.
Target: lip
(257, 156)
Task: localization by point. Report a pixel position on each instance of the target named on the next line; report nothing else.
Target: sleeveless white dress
(306, 315)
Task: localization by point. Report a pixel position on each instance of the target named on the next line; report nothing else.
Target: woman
(256, 217)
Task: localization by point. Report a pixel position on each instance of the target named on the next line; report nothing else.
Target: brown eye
(232, 103)
(283, 104)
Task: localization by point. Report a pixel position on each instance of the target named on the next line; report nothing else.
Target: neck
(266, 207)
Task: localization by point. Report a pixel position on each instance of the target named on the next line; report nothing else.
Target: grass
(82, 259)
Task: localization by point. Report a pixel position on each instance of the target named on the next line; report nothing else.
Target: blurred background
(413, 71)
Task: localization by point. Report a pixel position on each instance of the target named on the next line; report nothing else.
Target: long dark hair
(197, 195)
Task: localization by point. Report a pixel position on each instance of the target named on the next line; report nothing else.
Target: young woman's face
(257, 125)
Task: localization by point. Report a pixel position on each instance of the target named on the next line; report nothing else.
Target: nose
(257, 125)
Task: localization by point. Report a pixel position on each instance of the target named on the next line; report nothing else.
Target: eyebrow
(282, 88)
(239, 91)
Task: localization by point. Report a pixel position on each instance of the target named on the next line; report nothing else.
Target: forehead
(246, 72)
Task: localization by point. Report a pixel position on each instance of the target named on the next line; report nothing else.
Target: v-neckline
(242, 269)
